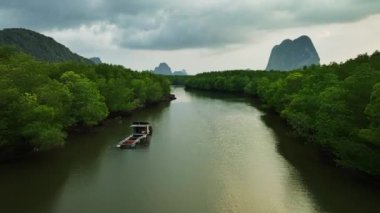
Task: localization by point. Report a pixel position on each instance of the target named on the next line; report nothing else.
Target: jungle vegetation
(39, 101)
(336, 106)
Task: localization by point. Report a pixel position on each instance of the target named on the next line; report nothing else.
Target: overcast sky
(199, 35)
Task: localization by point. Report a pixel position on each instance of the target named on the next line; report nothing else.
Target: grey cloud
(337, 11)
(171, 24)
(40, 14)
(48, 14)
(182, 30)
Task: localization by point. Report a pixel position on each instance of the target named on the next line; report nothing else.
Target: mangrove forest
(336, 106)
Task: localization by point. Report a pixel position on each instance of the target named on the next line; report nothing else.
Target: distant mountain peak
(163, 69)
(286, 41)
(39, 46)
(293, 54)
(96, 60)
(180, 72)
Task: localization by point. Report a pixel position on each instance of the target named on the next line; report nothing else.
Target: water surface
(209, 153)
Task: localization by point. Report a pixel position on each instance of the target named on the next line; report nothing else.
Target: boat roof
(140, 124)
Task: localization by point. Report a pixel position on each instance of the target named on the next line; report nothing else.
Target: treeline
(39, 101)
(336, 105)
(178, 79)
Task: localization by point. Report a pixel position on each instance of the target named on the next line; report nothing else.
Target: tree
(36, 123)
(372, 133)
(58, 96)
(88, 105)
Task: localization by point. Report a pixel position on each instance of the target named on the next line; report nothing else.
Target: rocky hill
(290, 55)
(180, 72)
(96, 60)
(39, 46)
(163, 69)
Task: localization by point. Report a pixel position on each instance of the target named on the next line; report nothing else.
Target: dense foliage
(39, 101)
(336, 105)
(178, 79)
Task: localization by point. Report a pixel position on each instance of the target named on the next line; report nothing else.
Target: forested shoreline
(39, 101)
(336, 106)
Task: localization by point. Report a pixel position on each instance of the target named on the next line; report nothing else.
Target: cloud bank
(173, 24)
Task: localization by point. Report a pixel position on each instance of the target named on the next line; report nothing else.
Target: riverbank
(334, 106)
(23, 150)
(322, 154)
(41, 100)
(206, 155)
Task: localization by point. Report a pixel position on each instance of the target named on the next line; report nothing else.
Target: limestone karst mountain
(290, 55)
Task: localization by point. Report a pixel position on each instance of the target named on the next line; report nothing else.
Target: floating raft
(141, 132)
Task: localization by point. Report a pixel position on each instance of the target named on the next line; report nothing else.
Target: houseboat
(141, 132)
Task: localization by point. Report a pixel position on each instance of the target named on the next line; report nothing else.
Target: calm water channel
(208, 153)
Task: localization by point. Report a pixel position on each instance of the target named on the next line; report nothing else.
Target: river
(209, 152)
